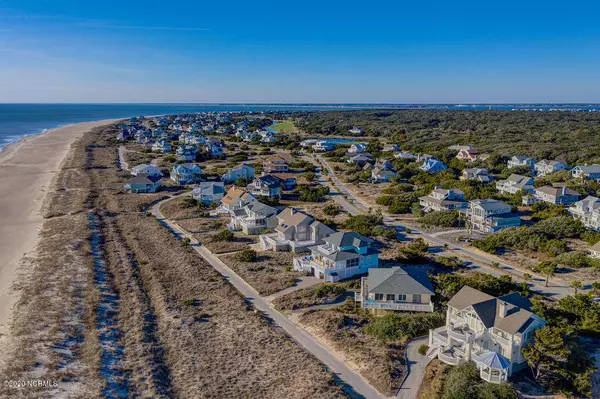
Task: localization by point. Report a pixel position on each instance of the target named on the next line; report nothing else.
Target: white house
(555, 195)
(586, 171)
(519, 161)
(433, 166)
(150, 170)
(161, 146)
(545, 167)
(396, 288)
(357, 148)
(443, 200)
(341, 256)
(186, 153)
(242, 171)
(186, 173)
(209, 192)
(295, 232)
(487, 331)
(514, 184)
(380, 175)
(404, 155)
(588, 211)
(391, 148)
(266, 186)
(214, 148)
(323, 145)
(254, 218)
(356, 130)
(491, 215)
(235, 198)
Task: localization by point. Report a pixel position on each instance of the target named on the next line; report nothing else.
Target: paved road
(416, 369)
(353, 382)
(476, 260)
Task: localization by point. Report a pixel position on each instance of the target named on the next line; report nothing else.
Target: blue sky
(309, 51)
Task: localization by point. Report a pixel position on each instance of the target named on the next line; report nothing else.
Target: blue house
(186, 173)
(143, 183)
(433, 166)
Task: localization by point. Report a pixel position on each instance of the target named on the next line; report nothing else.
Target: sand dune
(26, 172)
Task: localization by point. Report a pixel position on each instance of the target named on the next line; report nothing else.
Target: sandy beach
(26, 172)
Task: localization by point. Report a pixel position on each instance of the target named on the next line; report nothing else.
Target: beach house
(235, 198)
(586, 171)
(588, 211)
(477, 174)
(209, 192)
(441, 199)
(323, 145)
(213, 148)
(186, 153)
(186, 173)
(356, 131)
(148, 169)
(162, 146)
(357, 148)
(554, 195)
(517, 161)
(275, 164)
(265, 186)
(341, 256)
(545, 167)
(487, 331)
(433, 166)
(514, 184)
(295, 231)
(242, 171)
(254, 218)
(396, 288)
(490, 215)
(143, 183)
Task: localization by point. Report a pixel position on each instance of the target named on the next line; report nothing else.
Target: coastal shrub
(447, 285)
(223, 235)
(312, 194)
(399, 207)
(575, 259)
(329, 290)
(332, 210)
(385, 232)
(414, 252)
(401, 327)
(309, 176)
(423, 348)
(385, 200)
(247, 255)
(560, 227)
(451, 262)
(440, 219)
(463, 382)
(591, 237)
(363, 224)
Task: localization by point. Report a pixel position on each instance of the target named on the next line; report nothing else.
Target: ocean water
(19, 120)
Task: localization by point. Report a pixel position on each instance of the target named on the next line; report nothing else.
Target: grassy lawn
(285, 127)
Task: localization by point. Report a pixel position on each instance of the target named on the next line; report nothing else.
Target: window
(390, 297)
(352, 262)
(379, 297)
(401, 297)
(417, 298)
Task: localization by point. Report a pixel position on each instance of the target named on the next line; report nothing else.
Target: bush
(385, 200)
(415, 251)
(247, 255)
(223, 235)
(452, 262)
(329, 290)
(385, 232)
(423, 348)
(401, 327)
(364, 224)
(399, 207)
(463, 382)
(440, 219)
(332, 210)
(311, 194)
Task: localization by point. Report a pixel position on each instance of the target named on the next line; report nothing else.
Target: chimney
(503, 309)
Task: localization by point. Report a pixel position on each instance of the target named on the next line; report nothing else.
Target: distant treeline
(566, 135)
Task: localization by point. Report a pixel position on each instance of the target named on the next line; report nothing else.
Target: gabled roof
(290, 217)
(399, 280)
(209, 188)
(269, 181)
(143, 178)
(345, 239)
(234, 194)
(489, 308)
(589, 169)
(556, 191)
(489, 204)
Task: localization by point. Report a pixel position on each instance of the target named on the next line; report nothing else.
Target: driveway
(416, 364)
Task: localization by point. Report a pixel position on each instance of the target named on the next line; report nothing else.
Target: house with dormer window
(341, 256)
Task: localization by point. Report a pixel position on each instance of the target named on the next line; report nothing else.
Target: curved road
(483, 263)
(353, 382)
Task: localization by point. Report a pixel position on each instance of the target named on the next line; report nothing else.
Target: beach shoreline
(27, 171)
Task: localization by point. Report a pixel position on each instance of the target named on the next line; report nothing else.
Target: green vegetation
(414, 252)
(402, 326)
(223, 235)
(447, 285)
(364, 224)
(423, 348)
(548, 236)
(247, 255)
(312, 194)
(284, 127)
(463, 382)
(332, 210)
(440, 219)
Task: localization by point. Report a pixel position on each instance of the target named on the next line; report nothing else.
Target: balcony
(501, 340)
(440, 336)
(394, 305)
(493, 376)
(450, 357)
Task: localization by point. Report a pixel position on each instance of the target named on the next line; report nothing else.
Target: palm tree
(548, 268)
(576, 285)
